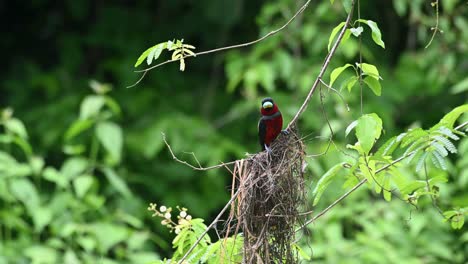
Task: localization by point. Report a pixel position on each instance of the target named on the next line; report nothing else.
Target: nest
(271, 189)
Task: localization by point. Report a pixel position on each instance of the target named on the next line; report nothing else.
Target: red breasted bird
(270, 124)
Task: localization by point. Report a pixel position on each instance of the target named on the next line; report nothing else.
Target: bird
(270, 124)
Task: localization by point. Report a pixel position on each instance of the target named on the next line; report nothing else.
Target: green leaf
(108, 235)
(388, 147)
(110, 136)
(77, 128)
(116, 182)
(25, 192)
(369, 69)
(374, 85)
(324, 181)
(350, 83)
(347, 5)
(449, 119)
(386, 185)
(41, 254)
(460, 87)
(113, 105)
(82, 184)
(73, 167)
(41, 216)
(15, 126)
(336, 72)
(376, 34)
(52, 175)
(91, 106)
(334, 32)
(368, 129)
(301, 252)
(154, 53)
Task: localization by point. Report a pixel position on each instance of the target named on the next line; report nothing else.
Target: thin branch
(436, 28)
(324, 68)
(337, 201)
(209, 227)
(199, 168)
(269, 34)
(338, 93)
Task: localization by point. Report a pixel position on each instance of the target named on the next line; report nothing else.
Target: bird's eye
(267, 105)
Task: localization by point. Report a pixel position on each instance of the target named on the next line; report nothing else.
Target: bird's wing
(262, 133)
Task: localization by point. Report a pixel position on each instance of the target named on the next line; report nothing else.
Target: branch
(269, 34)
(199, 168)
(324, 68)
(337, 201)
(209, 227)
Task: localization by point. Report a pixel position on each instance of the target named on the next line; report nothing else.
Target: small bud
(164, 222)
(183, 214)
(162, 208)
(167, 216)
(177, 230)
(188, 217)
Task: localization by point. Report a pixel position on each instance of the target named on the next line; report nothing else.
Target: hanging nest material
(271, 188)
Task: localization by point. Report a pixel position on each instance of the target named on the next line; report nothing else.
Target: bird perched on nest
(269, 126)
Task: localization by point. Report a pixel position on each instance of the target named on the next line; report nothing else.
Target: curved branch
(269, 34)
(200, 168)
(324, 67)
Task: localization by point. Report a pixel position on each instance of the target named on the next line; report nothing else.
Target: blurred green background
(79, 166)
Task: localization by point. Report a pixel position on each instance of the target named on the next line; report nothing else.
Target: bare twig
(436, 28)
(324, 68)
(337, 92)
(200, 168)
(269, 34)
(209, 227)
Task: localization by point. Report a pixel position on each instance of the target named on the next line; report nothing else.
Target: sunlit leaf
(370, 70)
(374, 85)
(368, 130)
(336, 73)
(118, 183)
(91, 106)
(15, 126)
(460, 87)
(77, 128)
(333, 34)
(82, 184)
(324, 181)
(376, 34)
(110, 136)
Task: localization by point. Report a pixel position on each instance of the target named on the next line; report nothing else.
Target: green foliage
(376, 34)
(60, 215)
(45, 87)
(324, 181)
(188, 231)
(179, 52)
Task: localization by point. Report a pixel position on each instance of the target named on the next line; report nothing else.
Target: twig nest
(271, 190)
